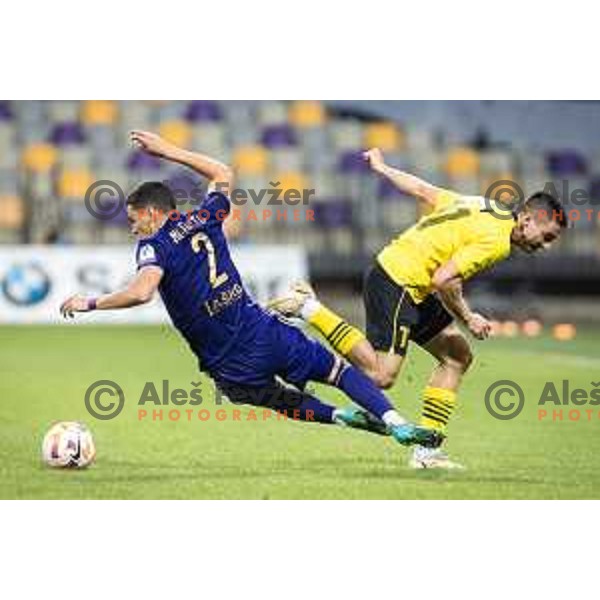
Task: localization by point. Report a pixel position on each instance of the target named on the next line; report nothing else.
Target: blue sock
(312, 409)
(363, 391)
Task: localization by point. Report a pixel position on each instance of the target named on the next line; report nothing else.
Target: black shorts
(393, 318)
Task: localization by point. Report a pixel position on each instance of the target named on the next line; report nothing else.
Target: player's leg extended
(302, 359)
(382, 367)
(380, 356)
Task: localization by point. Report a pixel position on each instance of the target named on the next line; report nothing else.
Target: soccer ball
(68, 444)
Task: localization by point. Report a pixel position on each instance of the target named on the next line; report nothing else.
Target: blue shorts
(276, 349)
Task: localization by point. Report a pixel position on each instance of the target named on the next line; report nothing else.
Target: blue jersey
(234, 338)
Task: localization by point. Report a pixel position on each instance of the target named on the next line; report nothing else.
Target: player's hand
(151, 143)
(374, 157)
(479, 326)
(74, 304)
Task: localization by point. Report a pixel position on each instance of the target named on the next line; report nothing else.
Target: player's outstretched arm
(140, 290)
(448, 283)
(219, 175)
(424, 192)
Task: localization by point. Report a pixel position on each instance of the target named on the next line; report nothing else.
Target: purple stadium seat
(278, 136)
(203, 110)
(566, 163)
(5, 110)
(333, 213)
(64, 134)
(140, 161)
(352, 162)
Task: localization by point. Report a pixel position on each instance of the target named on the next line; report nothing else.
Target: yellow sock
(438, 405)
(339, 334)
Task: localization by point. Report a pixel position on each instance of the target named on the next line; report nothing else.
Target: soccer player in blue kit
(245, 349)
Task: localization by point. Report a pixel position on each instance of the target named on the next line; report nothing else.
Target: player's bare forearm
(448, 283)
(215, 171)
(140, 290)
(451, 295)
(424, 192)
(219, 174)
(121, 299)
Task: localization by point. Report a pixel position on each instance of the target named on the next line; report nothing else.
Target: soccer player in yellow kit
(413, 291)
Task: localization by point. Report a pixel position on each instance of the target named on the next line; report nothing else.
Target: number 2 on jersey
(199, 241)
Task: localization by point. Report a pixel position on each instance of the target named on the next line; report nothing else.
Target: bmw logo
(26, 284)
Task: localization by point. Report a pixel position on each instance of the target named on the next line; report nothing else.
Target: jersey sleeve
(149, 253)
(217, 204)
(476, 257)
(445, 199)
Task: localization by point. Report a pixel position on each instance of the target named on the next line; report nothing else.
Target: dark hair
(152, 193)
(548, 205)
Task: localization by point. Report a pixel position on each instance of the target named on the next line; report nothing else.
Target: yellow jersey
(459, 228)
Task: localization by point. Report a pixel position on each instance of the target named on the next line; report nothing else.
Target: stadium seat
(140, 161)
(396, 216)
(203, 110)
(497, 161)
(64, 134)
(133, 114)
(39, 158)
(307, 114)
(286, 159)
(271, 113)
(99, 112)
(169, 110)
(333, 213)
(419, 139)
(62, 111)
(10, 181)
(466, 185)
(277, 136)
(291, 180)
(209, 136)
(75, 157)
(345, 135)
(342, 241)
(8, 146)
(353, 162)
(74, 183)
(318, 154)
(566, 163)
(6, 113)
(117, 174)
(9, 158)
(462, 162)
(176, 132)
(12, 212)
(102, 140)
(323, 182)
(252, 160)
(385, 136)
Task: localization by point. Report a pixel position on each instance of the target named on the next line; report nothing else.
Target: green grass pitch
(44, 372)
